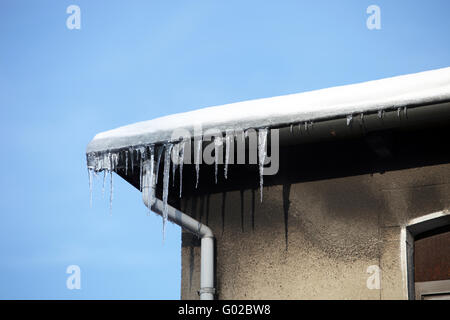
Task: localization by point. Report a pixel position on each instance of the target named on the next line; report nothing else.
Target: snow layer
(413, 89)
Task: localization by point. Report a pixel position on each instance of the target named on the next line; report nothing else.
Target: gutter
(206, 235)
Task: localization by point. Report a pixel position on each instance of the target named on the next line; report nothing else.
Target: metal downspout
(207, 289)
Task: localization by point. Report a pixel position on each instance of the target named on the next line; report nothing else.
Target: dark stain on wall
(252, 211)
(286, 204)
(342, 219)
(224, 200)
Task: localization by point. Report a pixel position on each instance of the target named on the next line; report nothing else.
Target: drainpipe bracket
(207, 290)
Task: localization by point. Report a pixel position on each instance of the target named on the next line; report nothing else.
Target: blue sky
(137, 60)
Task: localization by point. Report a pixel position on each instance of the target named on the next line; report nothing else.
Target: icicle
(126, 162)
(140, 174)
(149, 177)
(104, 180)
(198, 154)
(217, 144)
(262, 142)
(100, 163)
(398, 112)
(90, 172)
(291, 128)
(114, 161)
(228, 140)
(141, 155)
(380, 114)
(175, 155)
(181, 165)
(132, 160)
(91, 159)
(158, 160)
(111, 189)
(166, 178)
(349, 119)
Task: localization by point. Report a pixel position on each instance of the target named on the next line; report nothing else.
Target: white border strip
(404, 262)
(428, 217)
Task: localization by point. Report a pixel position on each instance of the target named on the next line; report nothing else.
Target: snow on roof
(408, 90)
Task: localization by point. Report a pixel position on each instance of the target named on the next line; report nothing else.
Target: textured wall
(313, 239)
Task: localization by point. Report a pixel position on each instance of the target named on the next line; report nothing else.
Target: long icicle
(141, 169)
(104, 180)
(158, 161)
(198, 153)
(132, 159)
(217, 144)
(110, 191)
(181, 162)
(262, 142)
(228, 140)
(111, 166)
(90, 186)
(175, 156)
(166, 180)
(151, 178)
(126, 162)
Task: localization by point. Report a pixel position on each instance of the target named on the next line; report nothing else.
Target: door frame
(413, 228)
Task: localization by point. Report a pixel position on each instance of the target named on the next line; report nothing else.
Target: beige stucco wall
(334, 230)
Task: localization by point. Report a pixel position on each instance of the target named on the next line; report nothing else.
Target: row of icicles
(380, 114)
(149, 159)
(310, 124)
